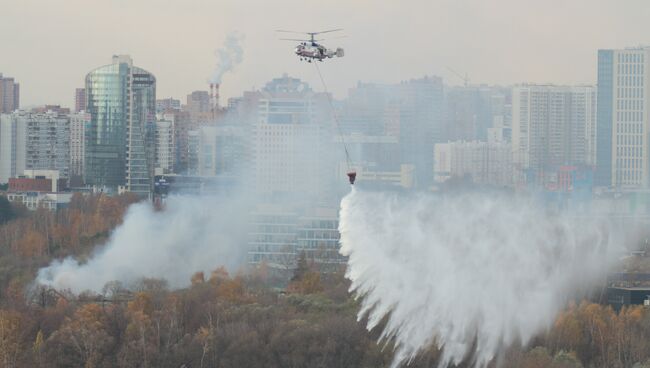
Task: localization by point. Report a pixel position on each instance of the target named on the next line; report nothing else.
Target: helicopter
(310, 49)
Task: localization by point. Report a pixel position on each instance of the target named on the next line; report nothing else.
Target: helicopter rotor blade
(283, 31)
(332, 38)
(328, 31)
(302, 40)
(309, 33)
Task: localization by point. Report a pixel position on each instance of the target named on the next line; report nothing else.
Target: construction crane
(465, 78)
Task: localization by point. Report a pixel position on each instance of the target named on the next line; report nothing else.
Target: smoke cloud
(192, 234)
(229, 56)
(471, 274)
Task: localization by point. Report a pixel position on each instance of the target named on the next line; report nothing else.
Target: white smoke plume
(192, 234)
(229, 56)
(470, 274)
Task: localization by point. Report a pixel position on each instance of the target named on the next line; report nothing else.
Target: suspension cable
(336, 118)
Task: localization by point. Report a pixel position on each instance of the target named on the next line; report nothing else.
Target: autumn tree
(82, 340)
(140, 344)
(11, 331)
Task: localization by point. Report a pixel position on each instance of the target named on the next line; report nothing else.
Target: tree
(302, 267)
(537, 358)
(82, 340)
(139, 347)
(37, 348)
(232, 290)
(6, 211)
(198, 278)
(145, 338)
(566, 360)
(10, 337)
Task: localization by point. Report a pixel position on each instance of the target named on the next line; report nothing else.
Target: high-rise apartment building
(623, 118)
(193, 144)
(164, 147)
(9, 95)
(47, 142)
(121, 101)
(167, 104)
(199, 105)
(222, 151)
(291, 127)
(412, 111)
(470, 111)
(181, 125)
(78, 123)
(34, 141)
(485, 163)
(368, 109)
(80, 99)
(12, 146)
(421, 125)
(553, 126)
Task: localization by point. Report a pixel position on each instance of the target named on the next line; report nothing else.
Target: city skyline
(525, 43)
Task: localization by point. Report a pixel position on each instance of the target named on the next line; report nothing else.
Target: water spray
(471, 274)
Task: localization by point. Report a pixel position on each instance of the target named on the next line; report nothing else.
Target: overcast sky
(49, 45)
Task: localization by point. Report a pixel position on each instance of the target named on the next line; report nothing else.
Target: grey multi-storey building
(121, 100)
(292, 152)
(9, 95)
(78, 122)
(553, 126)
(47, 142)
(421, 125)
(12, 146)
(80, 99)
(34, 141)
(623, 127)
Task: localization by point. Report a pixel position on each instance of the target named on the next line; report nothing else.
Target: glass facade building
(121, 101)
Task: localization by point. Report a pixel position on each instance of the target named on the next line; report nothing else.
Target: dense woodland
(241, 320)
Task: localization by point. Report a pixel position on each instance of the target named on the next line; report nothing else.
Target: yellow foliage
(231, 290)
(141, 303)
(198, 278)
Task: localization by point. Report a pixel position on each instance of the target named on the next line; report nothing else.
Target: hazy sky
(49, 45)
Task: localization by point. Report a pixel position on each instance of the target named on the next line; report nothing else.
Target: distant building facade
(413, 112)
(39, 189)
(34, 141)
(278, 236)
(38, 181)
(78, 123)
(199, 106)
(13, 146)
(486, 163)
(623, 120)
(47, 141)
(291, 129)
(9, 95)
(470, 111)
(222, 151)
(167, 104)
(318, 239)
(553, 126)
(80, 99)
(421, 125)
(164, 140)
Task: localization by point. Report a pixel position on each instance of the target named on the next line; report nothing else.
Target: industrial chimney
(211, 99)
(216, 96)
